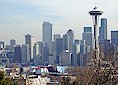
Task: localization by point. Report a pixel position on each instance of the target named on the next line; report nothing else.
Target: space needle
(95, 13)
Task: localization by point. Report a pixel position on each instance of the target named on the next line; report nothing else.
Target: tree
(6, 81)
(99, 71)
(1, 75)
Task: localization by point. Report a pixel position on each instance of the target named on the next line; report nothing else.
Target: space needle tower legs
(95, 17)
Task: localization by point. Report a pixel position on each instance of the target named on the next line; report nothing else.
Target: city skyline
(20, 17)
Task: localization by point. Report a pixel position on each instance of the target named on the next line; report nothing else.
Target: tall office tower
(114, 38)
(45, 56)
(38, 59)
(17, 55)
(78, 43)
(12, 45)
(105, 47)
(2, 45)
(12, 42)
(103, 30)
(80, 59)
(36, 54)
(3, 58)
(10, 56)
(25, 53)
(65, 42)
(56, 36)
(87, 38)
(71, 39)
(29, 40)
(51, 53)
(81, 46)
(36, 49)
(47, 33)
(87, 29)
(10, 48)
(66, 58)
(58, 49)
(40, 47)
(51, 48)
(74, 55)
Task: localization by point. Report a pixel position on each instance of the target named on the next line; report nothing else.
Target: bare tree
(99, 71)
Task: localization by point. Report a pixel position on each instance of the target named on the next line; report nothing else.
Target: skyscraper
(58, 49)
(87, 36)
(56, 36)
(12, 42)
(29, 40)
(103, 30)
(65, 58)
(25, 53)
(51, 48)
(1, 45)
(65, 41)
(70, 34)
(87, 29)
(17, 55)
(11, 46)
(114, 38)
(36, 49)
(74, 55)
(45, 55)
(47, 33)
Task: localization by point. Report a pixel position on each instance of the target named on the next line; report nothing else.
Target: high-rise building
(1, 45)
(114, 38)
(65, 58)
(71, 39)
(105, 47)
(58, 49)
(40, 47)
(51, 48)
(17, 55)
(65, 41)
(80, 59)
(87, 29)
(47, 33)
(51, 53)
(74, 55)
(10, 56)
(56, 36)
(39, 50)
(45, 55)
(12, 45)
(103, 30)
(25, 53)
(12, 42)
(29, 40)
(87, 36)
(87, 40)
(36, 49)
(10, 48)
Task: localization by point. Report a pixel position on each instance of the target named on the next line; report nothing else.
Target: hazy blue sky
(20, 17)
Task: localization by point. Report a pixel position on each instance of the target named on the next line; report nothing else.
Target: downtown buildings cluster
(61, 50)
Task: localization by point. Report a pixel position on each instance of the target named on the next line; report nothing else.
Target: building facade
(47, 33)
(103, 30)
(114, 38)
(29, 40)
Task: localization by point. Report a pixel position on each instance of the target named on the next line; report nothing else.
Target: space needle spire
(95, 13)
